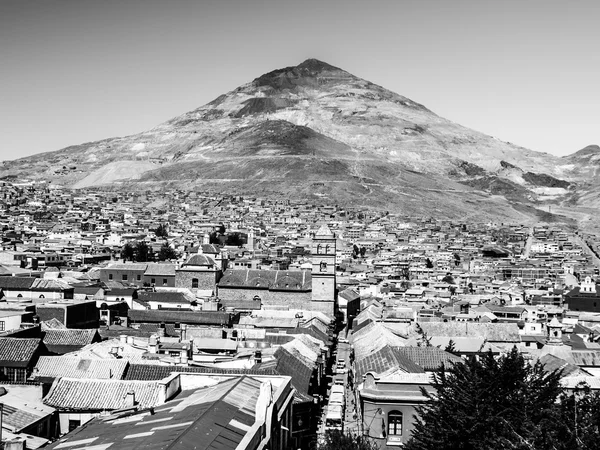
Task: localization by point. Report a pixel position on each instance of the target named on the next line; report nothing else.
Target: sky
(75, 71)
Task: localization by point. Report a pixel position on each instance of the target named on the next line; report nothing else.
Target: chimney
(257, 356)
(130, 399)
(184, 357)
(123, 339)
(17, 443)
(130, 340)
(183, 332)
(152, 344)
(161, 329)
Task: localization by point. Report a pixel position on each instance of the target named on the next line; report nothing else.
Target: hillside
(317, 130)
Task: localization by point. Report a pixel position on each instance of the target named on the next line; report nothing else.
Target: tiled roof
(69, 336)
(82, 395)
(383, 360)
(552, 363)
(53, 323)
(293, 366)
(16, 283)
(125, 266)
(429, 358)
(50, 285)
(155, 372)
(280, 280)
(80, 368)
(587, 358)
(160, 269)
(17, 352)
(492, 332)
(199, 260)
(164, 297)
(189, 317)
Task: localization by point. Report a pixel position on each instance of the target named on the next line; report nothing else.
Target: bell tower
(323, 271)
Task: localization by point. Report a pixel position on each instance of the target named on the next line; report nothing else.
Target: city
(186, 310)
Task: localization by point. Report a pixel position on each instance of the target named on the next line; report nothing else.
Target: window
(110, 276)
(73, 424)
(153, 280)
(1, 325)
(124, 277)
(394, 423)
(194, 283)
(323, 266)
(42, 296)
(164, 281)
(139, 277)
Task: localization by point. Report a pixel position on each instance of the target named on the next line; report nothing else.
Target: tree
(166, 252)
(337, 440)
(162, 231)
(362, 252)
(448, 279)
(142, 251)
(500, 403)
(423, 340)
(128, 252)
(450, 348)
(456, 259)
(428, 263)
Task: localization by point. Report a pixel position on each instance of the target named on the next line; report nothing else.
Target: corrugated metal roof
(213, 418)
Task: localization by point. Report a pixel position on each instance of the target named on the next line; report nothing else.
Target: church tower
(323, 271)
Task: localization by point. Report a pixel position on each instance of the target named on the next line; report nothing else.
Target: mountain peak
(588, 151)
(304, 74)
(315, 65)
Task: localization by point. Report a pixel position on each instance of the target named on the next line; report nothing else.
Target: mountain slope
(315, 129)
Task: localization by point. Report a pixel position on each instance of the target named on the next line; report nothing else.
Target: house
(160, 275)
(291, 288)
(24, 415)
(60, 341)
(50, 367)
(584, 297)
(18, 357)
(124, 272)
(388, 405)
(71, 314)
(199, 273)
(161, 316)
(167, 299)
(226, 412)
(79, 400)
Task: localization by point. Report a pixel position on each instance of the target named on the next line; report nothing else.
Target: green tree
(428, 263)
(166, 252)
(490, 403)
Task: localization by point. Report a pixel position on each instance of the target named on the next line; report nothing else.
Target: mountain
(317, 131)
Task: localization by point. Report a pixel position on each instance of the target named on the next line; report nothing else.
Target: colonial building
(323, 271)
(199, 273)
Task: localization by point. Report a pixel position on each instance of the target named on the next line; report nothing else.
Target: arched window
(194, 283)
(42, 296)
(318, 248)
(20, 295)
(394, 423)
